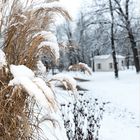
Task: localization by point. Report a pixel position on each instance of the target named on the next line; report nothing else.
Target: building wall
(105, 64)
(121, 65)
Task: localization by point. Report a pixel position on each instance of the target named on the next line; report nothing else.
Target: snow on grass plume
(46, 91)
(81, 67)
(2, 59)
(47, 35)
(41, 68)
(37, 6)
(50, 121)
(49, 44)
(34, 86)
(53, 47)
(86, 67)
(21, 71)
(68, 81)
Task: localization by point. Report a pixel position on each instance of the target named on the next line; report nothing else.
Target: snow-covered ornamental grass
(26, 101)
(29, 108)
(80, 67)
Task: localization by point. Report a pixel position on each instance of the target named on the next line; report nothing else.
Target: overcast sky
(137, 5)
(74, 5)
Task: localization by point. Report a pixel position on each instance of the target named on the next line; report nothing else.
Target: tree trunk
(112, 41)
(127, 23)
(127, 60)
(134, 50)
(0, 15)
(131, 37)
(114, 53)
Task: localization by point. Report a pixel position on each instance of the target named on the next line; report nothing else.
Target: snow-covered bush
(82, 118)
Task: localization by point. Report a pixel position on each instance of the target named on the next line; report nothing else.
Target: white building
(105, 62)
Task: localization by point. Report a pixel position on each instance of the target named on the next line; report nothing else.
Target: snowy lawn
(121, 118)
(121, 97)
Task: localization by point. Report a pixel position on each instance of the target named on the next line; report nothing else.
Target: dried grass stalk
(14, 123)
(80, 67)
(17, 117)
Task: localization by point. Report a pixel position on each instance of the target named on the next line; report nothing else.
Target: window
(98, 66)
(110, 65)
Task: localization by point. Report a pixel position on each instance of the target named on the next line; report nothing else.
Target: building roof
(103, 57)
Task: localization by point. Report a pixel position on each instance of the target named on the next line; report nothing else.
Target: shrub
(82, 118)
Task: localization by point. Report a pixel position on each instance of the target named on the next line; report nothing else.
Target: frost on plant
(82, 118)
(2, 59)
(81, 67)
(66, 80)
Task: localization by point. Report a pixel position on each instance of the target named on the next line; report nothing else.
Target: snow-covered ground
(121, 118)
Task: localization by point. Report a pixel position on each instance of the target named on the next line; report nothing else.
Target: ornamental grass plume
(18, 117)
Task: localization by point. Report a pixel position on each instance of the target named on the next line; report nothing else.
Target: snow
(46, 91)
(15, 24)
(120, 56)
(80, 75)
(51, 122)
(34, 86)
(86, 66)
(121, 119)
(37, 6)
(102, 57)
(72, 6)
(23, 16)
(49, 36)
(31, 88)
(21, 71)
(55, 130)
(53, 46)
(41, 68)
(67, 80)
(81, 67)
(50, 42)
(107, 56)
(2, 59)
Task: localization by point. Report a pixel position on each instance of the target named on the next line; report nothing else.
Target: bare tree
(112, 40)
(92, 35)
(126, 23)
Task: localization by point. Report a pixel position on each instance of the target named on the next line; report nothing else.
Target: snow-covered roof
(120, 56)
(103, 57)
